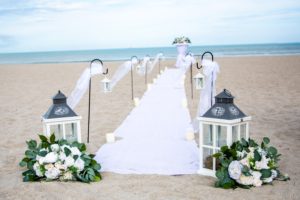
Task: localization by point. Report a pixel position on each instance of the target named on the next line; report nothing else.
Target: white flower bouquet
(246, 164)
(181, 40)
(58, 160)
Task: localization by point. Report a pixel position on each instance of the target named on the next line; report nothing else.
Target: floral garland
(59, 160)
(246, 164)
(181, 40)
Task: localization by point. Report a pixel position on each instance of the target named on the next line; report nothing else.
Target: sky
(49, 25)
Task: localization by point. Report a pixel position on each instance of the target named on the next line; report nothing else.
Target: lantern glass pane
(235, 133)
(208, 134)
(71, 132)
(57, 130)
(207, 158)
(243, 131)
(221, 139)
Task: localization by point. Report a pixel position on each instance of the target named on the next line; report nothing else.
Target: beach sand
(266, 88)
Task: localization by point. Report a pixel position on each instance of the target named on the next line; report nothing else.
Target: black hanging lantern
(223, 124)
(61, 120)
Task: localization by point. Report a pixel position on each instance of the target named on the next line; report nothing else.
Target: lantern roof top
(199, 75)
(105, 80)
(224, 108)
(59, 108)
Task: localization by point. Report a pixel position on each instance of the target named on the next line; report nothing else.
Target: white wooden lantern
(61, 120)
(106, 85)
(223, 124)
(199, 81)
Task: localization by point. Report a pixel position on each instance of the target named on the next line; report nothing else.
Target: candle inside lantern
(161, 71)
(166, 67)
(136, 101)
(110, 137)
(184, 103)
(158, 75)
(154, 80)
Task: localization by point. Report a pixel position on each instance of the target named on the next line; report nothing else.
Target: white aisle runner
(153, 134)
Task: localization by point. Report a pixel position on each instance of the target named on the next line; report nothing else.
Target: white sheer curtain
(142, 69)
(207, 94)
(83, 84)
(121, 72)
(182, 51)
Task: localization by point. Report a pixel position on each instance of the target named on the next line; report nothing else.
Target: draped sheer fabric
(182, 51)
(82, 84)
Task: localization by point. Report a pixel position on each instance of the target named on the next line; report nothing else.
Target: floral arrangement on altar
(181, 40)
(59, 160)
(246, 164)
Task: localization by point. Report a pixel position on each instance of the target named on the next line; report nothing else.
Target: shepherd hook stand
(90, 87)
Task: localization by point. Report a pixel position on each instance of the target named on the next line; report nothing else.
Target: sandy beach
(266, 88)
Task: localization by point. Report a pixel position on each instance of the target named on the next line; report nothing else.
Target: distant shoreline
(115, 55)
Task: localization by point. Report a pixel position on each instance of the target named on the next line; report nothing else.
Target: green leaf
(42, 153)
(265, 173)
(75, 157)
(67, 151)
(217, 155)
(97, 167)
(23, 164)
(257, 156)
(266, 140)
(224, 148)
(244, 142)
(252, 143)
(30, 154)
(43, 138)
(31, 144)
(52, 138)
(272, 151)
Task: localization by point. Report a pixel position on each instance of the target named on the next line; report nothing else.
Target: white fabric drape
(121, 72)
(182, 51)
(210, 70)
(83, 84)
(153, 134)
(142, 69)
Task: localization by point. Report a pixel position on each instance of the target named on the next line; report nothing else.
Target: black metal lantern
(61, 120)
(223, 124)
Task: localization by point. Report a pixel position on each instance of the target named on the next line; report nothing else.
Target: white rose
(274, 173)
(257, 182)
(69, 161)
(245, 162)
(37, 169)
(50, 158)
(54, 147)
(49, 166)
(263, 164)
(67, 176)
(245, 180)
(60, 166)
(52, 173)
(235, 169)
(268, 180)
(75, 151)
(241, 154)
(62, 156)
(79, 163)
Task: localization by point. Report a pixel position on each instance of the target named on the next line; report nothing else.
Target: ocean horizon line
(170, 52)
(149, 47)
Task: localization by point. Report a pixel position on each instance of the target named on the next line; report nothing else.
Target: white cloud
(58, 24)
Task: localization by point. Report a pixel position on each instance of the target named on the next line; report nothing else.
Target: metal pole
(146, 71)
(132, 75)
(159, 66)
(90, 86)
(90, 90)
(192, 81)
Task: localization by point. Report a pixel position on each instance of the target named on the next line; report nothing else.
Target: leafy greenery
(255, 156)
(35, 151)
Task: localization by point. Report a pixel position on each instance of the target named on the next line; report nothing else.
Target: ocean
(126, 53)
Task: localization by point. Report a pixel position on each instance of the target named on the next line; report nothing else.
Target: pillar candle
(110, 137)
